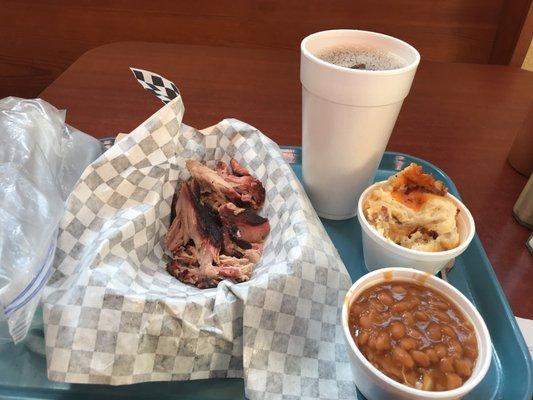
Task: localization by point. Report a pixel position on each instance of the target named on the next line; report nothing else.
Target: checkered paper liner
(113, 315)
(164, 89)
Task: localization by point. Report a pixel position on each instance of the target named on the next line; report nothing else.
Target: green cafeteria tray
(23, 366)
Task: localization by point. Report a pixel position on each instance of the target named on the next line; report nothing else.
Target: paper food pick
(113, 315)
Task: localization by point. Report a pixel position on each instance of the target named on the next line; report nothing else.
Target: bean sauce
(414, 335)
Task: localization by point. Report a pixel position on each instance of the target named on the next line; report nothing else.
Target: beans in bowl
(414, 335)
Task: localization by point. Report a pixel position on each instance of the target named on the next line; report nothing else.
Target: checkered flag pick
(164, 89)
(113, 315)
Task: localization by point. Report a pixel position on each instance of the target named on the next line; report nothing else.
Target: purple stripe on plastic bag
(35, 285)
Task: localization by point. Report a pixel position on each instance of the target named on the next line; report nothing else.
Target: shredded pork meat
(215, 232)
(243, 190)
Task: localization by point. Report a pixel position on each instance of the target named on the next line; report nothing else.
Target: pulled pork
(215, 233)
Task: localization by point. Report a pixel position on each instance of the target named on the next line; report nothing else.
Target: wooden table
(461, 117)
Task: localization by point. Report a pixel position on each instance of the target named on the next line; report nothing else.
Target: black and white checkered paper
(164, 89)
(113, 315)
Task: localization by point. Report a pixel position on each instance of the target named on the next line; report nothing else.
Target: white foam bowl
(374, 384)
(380, 252)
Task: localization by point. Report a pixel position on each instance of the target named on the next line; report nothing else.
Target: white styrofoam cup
(374, 384)
(380, 252)
(347, 117)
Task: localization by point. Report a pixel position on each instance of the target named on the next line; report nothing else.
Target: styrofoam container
(348, 116)
(380, 252)
(374, 384)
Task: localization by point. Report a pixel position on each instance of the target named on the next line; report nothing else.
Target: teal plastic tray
(23, 367)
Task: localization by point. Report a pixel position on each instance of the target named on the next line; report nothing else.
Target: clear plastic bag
(41, 159)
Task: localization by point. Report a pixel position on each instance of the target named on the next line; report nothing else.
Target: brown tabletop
(461, 117)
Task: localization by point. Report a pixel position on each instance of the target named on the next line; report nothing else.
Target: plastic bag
(41, 159)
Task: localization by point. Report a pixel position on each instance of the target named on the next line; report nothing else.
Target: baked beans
(414, 335)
